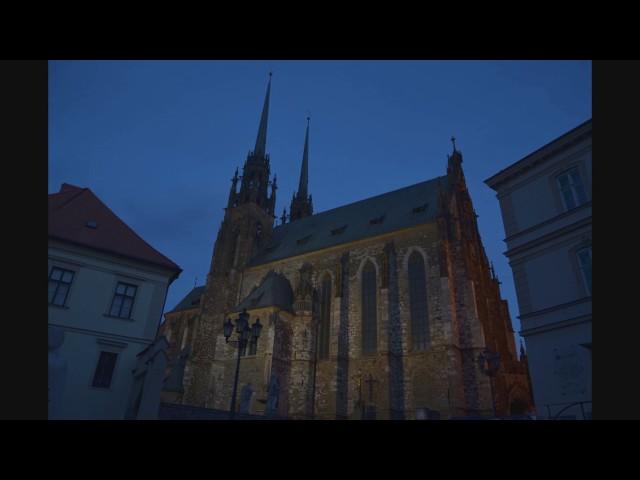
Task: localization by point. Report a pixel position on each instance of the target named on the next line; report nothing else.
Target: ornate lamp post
(244, 332)
(490, 363)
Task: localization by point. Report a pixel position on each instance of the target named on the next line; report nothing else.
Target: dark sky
(158, 141)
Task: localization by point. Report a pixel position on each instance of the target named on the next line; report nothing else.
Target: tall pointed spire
(257, 170)
(261, 140)
(304, 171)
(301, 205)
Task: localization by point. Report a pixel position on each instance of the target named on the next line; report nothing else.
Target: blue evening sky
(158, 141)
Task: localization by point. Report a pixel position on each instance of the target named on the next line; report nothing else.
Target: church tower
(247, 225)
(249, 215)
(301, 204)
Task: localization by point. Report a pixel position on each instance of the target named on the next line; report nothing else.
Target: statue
(305, 285)
(174, 382)
(245, 399)
(57, 370)
(273, 392)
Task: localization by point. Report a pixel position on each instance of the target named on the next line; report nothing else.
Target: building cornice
(526, 316)
(549, 221)
(543, 154)
(547, 238)
(103, 335)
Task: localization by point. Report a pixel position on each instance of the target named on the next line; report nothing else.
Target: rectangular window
(122, 304)
(571, 188)
(59, 285)
(584, 257)
(104, 370)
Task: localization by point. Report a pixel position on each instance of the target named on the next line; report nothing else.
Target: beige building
(385, 308)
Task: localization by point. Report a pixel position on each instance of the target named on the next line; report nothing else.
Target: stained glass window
(418, 302)
(369, 310)
(325, 318)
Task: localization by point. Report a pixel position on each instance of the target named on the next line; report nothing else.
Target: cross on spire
(371, 381)
(453, 140)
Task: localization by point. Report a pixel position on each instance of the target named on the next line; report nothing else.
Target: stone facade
(465, 311)
(391, 380)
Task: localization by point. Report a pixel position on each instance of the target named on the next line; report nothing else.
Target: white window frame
(572, 188)
(580, 266)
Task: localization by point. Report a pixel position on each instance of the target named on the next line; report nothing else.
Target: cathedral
(386, 308)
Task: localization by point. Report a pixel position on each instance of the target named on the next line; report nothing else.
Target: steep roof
(403, 208)
(78, 216)
(191, 300)
(275, 290)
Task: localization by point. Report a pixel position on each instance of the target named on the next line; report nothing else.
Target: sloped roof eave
(171, 267)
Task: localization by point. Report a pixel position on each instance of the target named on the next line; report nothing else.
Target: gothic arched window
(369, 310)
(325, 318)
(418, 302)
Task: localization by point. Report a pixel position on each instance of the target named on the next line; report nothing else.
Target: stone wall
(465, 315)
(401, 380)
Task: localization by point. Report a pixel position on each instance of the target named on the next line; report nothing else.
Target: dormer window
(272, 247)
(338, 231)
(303, 240)
(420, 208)
(377, 220)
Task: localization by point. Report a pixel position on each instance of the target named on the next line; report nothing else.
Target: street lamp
(244, 333)
(490, 363)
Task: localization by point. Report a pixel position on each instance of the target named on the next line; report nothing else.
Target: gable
(78, 216)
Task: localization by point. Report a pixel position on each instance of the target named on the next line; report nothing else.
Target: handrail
(573, 404)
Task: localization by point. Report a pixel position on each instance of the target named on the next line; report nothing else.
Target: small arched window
(418, 302)
(369, 310)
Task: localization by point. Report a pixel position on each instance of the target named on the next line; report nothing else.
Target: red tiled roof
(73, 210)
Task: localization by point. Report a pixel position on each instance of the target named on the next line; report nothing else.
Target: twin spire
(302, 204)
(304, 171)
(256, 174)
(261, 140)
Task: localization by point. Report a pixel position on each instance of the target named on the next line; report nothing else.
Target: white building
(545, 200)
(107, 289)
